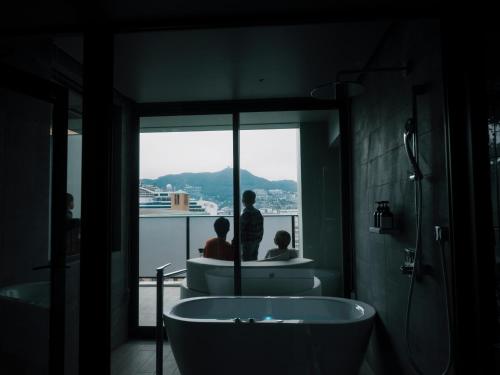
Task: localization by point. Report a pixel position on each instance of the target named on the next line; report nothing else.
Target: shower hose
(417, 270)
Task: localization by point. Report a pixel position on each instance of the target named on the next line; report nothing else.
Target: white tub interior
(275, 308)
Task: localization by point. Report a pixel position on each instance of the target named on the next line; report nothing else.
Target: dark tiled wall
(320, 194)
(380, 172)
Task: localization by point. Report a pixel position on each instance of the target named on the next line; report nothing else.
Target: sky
(270, 153)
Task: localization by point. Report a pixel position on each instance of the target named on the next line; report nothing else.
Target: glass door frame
(234, 108)
(33, 86)
(472, 253)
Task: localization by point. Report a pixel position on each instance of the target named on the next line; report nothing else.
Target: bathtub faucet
(239, 320)
(252, 320)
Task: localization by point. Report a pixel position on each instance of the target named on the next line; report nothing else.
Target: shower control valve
(409, 266)
(409, 256)
(407, 269)
(409, 262)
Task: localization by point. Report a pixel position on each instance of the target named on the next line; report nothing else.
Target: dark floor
(139, 357)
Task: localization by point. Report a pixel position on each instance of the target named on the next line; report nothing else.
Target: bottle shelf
(383, 230)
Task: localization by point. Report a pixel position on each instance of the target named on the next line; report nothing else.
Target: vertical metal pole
(133, 135)
(57, 271)
(159, 322)
(187, 238)
(96, 222)
(236, 203)
(293, 232)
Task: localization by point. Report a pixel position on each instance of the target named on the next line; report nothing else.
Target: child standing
(252, 227)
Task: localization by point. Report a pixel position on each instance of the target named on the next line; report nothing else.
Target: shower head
(332, 90)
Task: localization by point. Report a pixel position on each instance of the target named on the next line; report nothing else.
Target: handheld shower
(408, 135)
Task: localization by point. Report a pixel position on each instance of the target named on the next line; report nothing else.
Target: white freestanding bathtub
(215, 277)
(269, 335)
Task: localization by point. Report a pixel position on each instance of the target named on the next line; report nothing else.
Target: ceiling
(248, 120)
(235, 63)
(76, 15)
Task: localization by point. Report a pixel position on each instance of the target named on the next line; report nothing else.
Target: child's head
(221, 227)
(282, 239)
(248, 198)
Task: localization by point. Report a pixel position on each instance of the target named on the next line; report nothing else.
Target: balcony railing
(178, 238)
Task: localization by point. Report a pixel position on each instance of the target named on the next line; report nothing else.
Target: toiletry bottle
(379, 212)
(375, 215)
(386, 216)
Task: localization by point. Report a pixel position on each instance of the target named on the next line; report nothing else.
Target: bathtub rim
(44, 283)
(369, 311)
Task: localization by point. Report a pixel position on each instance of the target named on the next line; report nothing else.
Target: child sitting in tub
(282, 240)
(219, 248)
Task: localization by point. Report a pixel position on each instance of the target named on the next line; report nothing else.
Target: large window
(187, 183)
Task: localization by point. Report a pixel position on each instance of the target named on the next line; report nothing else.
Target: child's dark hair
(221, 226)
(248, 196)
(282, 239)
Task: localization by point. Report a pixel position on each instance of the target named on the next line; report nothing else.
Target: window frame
(234, 108)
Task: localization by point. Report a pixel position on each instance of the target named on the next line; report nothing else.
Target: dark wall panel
(380, 172)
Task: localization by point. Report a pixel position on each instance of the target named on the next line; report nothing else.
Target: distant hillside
(220, 184)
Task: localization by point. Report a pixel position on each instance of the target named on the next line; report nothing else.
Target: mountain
(219, 185)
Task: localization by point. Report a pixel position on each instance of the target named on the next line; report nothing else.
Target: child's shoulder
(251, 210)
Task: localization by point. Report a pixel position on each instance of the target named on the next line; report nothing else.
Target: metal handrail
(174, 273)
(295, 237)
(160, 277)
(47, 266)
(163, 267)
